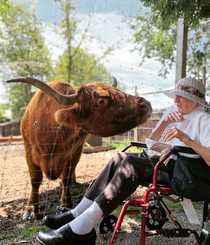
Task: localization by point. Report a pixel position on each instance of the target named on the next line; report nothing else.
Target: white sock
(81, 207)
(84, 223)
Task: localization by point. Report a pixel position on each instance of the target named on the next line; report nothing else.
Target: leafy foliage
(85, 68)
(3, 7)
(154, 39)
(22, 53)
(169, 11)
(68, 27)
(76, 65)
(199, 49)
(3, 108)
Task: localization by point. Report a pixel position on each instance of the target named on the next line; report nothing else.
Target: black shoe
(65, 236)
(56, 221)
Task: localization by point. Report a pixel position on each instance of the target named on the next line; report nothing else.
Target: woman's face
(184, 106)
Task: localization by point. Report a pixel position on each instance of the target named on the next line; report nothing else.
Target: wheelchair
(153, 210)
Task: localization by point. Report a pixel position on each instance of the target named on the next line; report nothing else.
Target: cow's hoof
(28, 215)
(32, 216)
(25, 215)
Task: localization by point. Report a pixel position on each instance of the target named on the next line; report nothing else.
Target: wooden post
(204, 76)
(181, 56)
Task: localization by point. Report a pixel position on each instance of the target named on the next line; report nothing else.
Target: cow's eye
(100, 102)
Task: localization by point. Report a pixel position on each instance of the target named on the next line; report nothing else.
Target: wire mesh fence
(15, 185)
(15, 188)
(18, 182)
(15, 182)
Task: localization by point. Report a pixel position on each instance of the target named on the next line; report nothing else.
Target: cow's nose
(146, 104)
(149, 107)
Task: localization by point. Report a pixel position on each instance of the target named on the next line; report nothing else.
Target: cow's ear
(68, 117)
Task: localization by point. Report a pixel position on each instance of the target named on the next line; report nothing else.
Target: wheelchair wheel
(206, 241)
(107, 224)
(155, 221)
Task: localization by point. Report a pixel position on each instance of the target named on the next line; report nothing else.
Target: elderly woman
(184, 124)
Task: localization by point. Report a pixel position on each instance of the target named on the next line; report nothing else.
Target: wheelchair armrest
(183, 149)
(138, 144)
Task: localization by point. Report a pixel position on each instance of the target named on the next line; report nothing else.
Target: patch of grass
(172, 205)
(198, 205)
(26, 231)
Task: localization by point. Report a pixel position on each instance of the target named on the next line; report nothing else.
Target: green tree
(85, 68)
(3, 7)
(22, 53)
(155, 39)
(73, 64)
(3, 117)
(169, 11)
(68, 27)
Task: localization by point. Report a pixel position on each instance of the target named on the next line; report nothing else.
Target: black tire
(107, 224)
(154, 222)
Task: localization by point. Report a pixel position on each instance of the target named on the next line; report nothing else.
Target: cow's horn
(113, 81)
(48, 90)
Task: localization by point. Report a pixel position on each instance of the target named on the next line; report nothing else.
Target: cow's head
(96, 108)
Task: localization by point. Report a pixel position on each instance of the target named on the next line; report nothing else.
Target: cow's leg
(36, 176)
(65, 196)
(68, 175)
(36, 180)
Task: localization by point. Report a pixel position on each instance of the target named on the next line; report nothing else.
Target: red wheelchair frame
(158, 192)
(155, 213)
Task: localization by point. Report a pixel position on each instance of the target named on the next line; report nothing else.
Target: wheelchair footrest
(176, 232)
(171, 232)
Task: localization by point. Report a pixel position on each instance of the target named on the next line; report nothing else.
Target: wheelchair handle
(139, 144)
(135, 143)
(183, 149)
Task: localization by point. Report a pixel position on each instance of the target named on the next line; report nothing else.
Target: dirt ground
(15, 190)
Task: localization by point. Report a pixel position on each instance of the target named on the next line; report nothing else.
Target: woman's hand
(174, 116)
(170, 118)
(173, 132)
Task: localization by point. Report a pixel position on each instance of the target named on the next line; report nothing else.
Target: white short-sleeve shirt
(195, 124)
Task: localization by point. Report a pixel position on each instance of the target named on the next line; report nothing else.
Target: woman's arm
(170, 118)
(156, 134)
(203, 151)
(173, 132)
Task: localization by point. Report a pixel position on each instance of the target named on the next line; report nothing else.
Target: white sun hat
(191, 89)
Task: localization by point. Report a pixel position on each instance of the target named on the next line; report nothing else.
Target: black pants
(121, 177)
